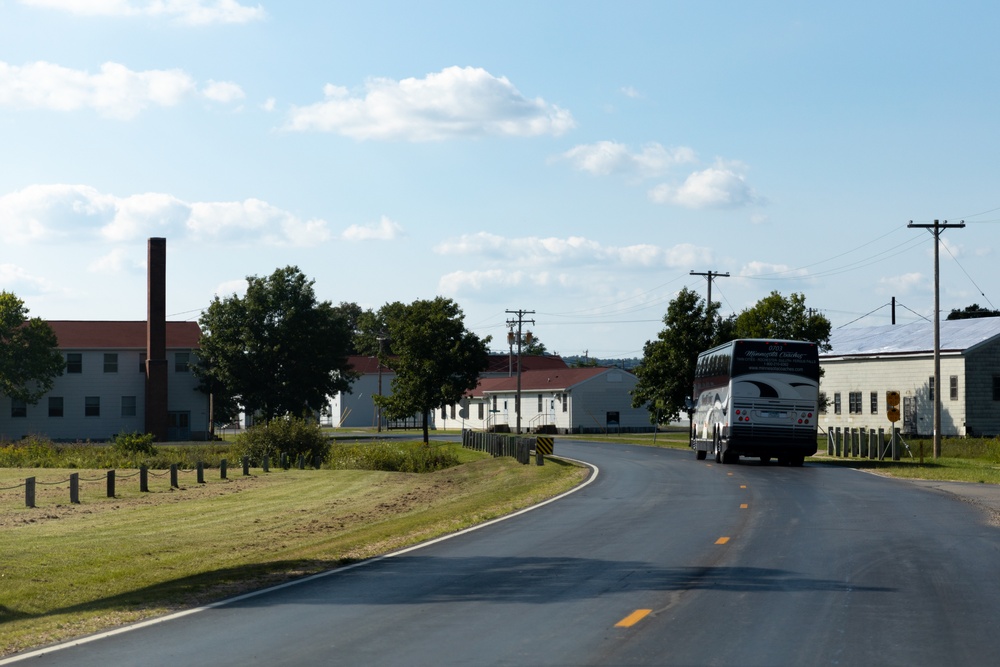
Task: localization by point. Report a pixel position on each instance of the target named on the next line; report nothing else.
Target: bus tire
(701, 454)
(764, 460)
(797, 461)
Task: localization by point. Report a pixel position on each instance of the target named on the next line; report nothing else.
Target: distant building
(102, 391)
(567, 400)
(864, 363)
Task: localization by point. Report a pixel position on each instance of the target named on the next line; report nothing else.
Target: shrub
(289, 435)
(131, 444)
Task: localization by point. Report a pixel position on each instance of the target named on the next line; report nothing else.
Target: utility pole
(710, 275)
(937, 228)
(510, 338)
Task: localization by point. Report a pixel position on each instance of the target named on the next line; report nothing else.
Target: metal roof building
(866, 362)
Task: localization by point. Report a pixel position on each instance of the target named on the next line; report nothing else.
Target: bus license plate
(771, 414)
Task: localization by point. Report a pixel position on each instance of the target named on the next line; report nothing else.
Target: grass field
(73, 569)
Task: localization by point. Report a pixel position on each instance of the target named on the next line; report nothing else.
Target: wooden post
(173, 476)
(111, 484)
(74, 488)
(246, 466)
(143, 479)
(266, 463)
(29, 492)
(222, 469)
(200, 471)
(302, 461)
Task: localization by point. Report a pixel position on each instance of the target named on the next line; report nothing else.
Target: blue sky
(575, 159)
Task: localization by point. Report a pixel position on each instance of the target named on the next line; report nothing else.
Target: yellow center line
(730, 474)
(722, 540)
(633, 618)
(743, 486)
(743, 506)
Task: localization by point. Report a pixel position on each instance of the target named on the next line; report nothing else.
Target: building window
(481, 410)
(55, 406)
(18, 408)
(953, 382)
(128, 406)
(540, 403)
(565, 402)
(444, 412)
(930, 388)
(92, 406)
(854, 402)
(874, 402)
(452, 410)
(110, 362)
(182, 362)
(494, 403)
(836, 403)
(142, 362)
(74, 362)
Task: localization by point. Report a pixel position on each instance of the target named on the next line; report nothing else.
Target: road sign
(892, 413)
(544, 445)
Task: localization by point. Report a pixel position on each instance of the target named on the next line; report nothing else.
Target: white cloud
(755, 269)
(902, 284)
(608, 157)
(192, 12)
(573, 250)
(16, 279)
(115, 92)
(269, 104)
(629, 91)
(223, 91)
(231, 287)
(383, 230)
(721, 186)
(456, 102)
(114, 262)
(49, 213)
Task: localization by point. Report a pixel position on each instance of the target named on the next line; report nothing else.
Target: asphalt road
(661, 560)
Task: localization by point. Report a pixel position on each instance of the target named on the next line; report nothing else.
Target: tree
(666, 372)
(276, 351)
(30, 360)
(775, 316)
(972, 311)
(435, 360)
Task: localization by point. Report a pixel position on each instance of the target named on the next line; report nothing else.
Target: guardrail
(862, 442)
(498, 444)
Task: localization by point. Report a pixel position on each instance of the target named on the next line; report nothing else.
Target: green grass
(68, 570)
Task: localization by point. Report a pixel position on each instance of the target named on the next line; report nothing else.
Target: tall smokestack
(156, 339)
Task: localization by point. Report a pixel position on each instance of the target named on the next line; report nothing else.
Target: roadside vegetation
(71, 569)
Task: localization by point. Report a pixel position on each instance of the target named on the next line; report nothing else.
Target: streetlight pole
(937, 228)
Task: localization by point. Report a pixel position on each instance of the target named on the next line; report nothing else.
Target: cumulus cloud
(383, 230)
(721, 186)
(574, 250)
(16, 279)
(114, 92)
(902, 284)
(50, 213)
(756, 269)
(453, 103)
(608, 157)
(192, 12)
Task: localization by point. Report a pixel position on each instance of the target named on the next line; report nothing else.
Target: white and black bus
(755, 397)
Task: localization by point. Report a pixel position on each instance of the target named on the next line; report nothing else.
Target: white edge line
(264, 591)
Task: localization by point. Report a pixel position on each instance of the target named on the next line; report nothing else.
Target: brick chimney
(156, 339)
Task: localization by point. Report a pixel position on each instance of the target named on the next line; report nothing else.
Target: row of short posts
(862, 443)
(499, 444)
(111, 483)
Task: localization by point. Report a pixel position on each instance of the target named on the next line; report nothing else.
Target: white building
(867, 362)
(566, 400)
(102, 391)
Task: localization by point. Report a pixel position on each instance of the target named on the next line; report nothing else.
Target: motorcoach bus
(756, 397)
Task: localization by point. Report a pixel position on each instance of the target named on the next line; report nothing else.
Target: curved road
(661, 560)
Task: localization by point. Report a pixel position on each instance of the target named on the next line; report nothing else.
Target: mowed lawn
(72, 569)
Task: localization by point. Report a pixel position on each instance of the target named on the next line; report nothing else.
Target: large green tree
(776, 316)
(970, 312)
(435, 360)
(29, 352)
(666, 372)
(275, 351)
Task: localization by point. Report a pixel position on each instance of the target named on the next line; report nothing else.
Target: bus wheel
(764, 460)
(797, 461)
(730, 457)
(701, 454)
(783, 460)
(718, 451)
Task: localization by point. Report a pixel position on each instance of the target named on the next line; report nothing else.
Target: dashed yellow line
(743, 506)
(743, 486)
(633, 618)
(722, 540)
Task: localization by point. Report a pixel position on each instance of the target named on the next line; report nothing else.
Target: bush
(131, 444)
(391, 457)
(288, 435)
